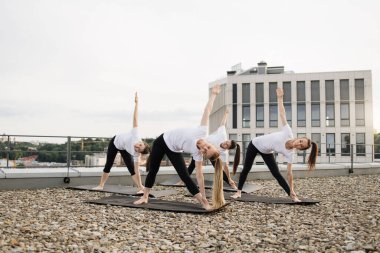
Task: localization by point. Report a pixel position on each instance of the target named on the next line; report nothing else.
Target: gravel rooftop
(58, 220)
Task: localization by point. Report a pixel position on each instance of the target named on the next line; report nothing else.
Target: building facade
(334, 109)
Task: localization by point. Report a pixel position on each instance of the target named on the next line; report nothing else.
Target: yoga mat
(154, 204)
(262, 199)
(125, 190)
(247, 188)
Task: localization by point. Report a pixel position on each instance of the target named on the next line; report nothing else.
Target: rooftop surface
(58, 220)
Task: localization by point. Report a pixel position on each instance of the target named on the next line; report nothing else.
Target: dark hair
(146, 149)
(233, 144)
(236, 158)
(313, 153)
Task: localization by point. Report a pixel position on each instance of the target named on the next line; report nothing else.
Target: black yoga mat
(124, 190)
(262, 199)
(247, 188)
(154, 204)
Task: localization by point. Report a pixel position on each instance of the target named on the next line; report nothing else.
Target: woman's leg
(180, 166)
(249, 159)
(111, 154)
(128, 160)
(191, 167)
(272, 165)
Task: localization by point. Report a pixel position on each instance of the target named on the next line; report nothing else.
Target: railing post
(8, 149)
(68, 151)
(373, 152)
(351, 170)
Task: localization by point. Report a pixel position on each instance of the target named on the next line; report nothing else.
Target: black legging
(159, 149)
(191, 168)
(269, 161)
(111, 154)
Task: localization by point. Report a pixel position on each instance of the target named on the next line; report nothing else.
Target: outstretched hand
(280, 92)
(216, 89)
(136, 98)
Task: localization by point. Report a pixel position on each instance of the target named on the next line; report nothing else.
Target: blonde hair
(217, 188)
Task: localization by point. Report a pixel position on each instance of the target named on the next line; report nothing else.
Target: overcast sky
(72, 67)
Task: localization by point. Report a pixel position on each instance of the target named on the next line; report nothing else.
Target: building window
(360, 144)
(259, 105)
(344, 114)
(286, 86)
(246, 99)
(316, 137)
(344, 90)
(246, 116)
(330, 144)
(329, 88)
(259, 134)
(359, 102)
(301, 115)
(315, 91)
(301, 105)
(273, 111)
(234, 105)
(359, 89)
(260, 116)
(315, 115)
(345, 148)
(359, 114)
(315, 104)
(330, 114)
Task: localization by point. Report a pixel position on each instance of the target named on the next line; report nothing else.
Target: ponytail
(236, 159)
(312, 156)
(217, 189)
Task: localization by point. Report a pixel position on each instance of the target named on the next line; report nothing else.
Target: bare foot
(236, 195)
(233, 185)
(98, 187)
(142, 200)
(296, 199)
(140, 191)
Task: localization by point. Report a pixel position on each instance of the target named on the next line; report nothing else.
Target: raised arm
(214, 92)
(135, 113)
(224, 120)
(281, 108)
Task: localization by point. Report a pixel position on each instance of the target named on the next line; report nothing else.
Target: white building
(332, 108)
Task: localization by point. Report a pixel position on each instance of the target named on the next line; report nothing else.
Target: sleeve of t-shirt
(198, 157)
(286, 128)
(289, 157)
(136, 157)
(203, 130)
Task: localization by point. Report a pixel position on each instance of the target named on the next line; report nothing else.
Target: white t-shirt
(275, 142)
(216, 138)
(126, 141)
(185, 140)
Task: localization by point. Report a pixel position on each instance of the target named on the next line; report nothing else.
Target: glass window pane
(286, 86)
(260, 115)
(259, 93)
(300, 91)
(329, 90)
(345, 114)
(315, 115)
(359, 114)
(273, 116)
(315, 92)
(360, 144)
(246, 93)
(330, 115)
(344, 90)
(359, 89)
(272, 92)
(246, 116)
(234, 116)
(301, 115)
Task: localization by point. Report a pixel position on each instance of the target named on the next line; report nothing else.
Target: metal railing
(21, 151)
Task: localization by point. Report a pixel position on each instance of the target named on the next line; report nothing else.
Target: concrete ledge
(39, 173)
(49, 177)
